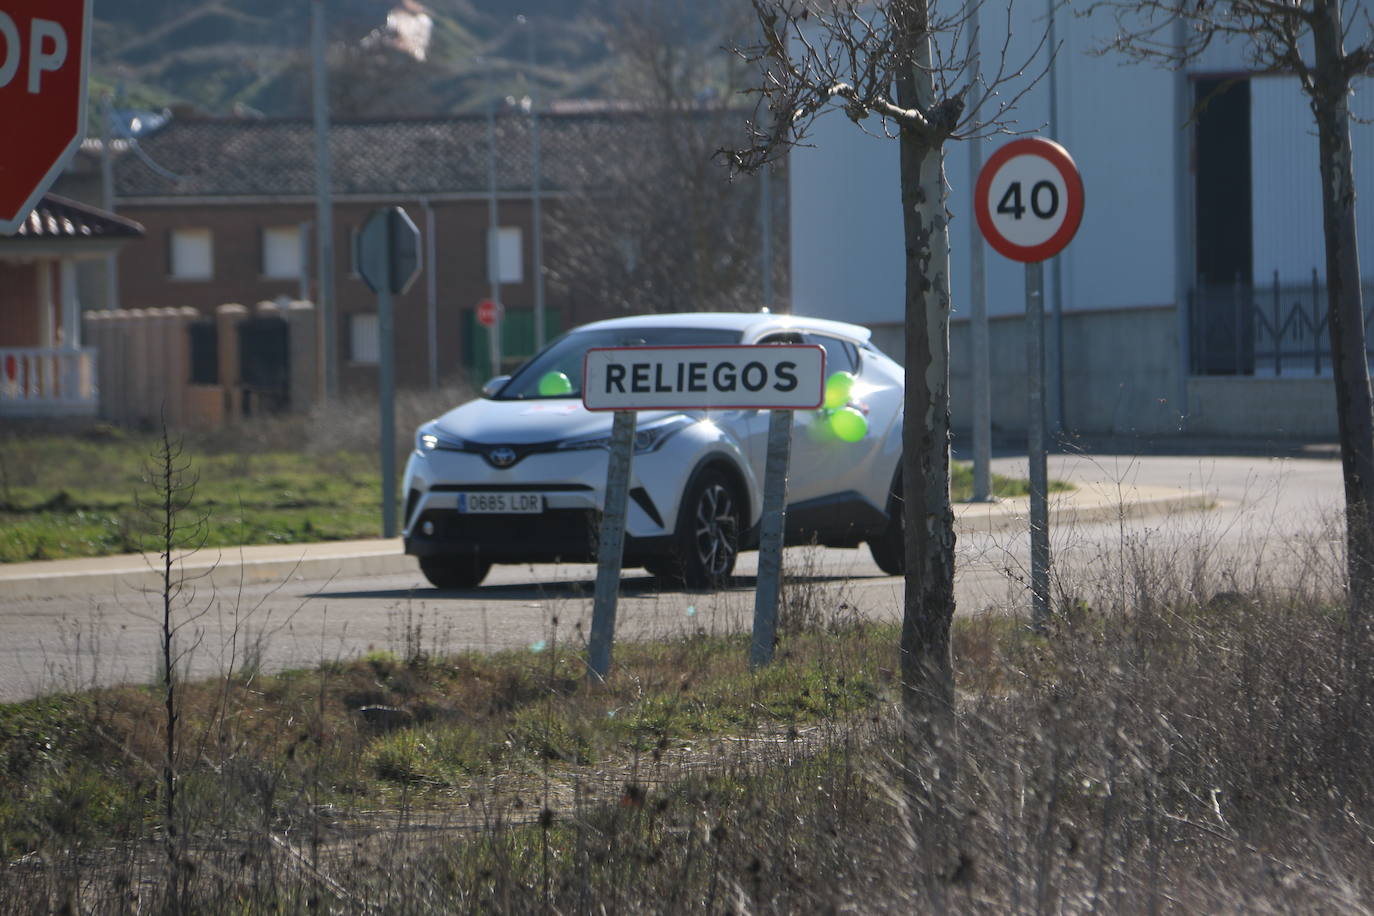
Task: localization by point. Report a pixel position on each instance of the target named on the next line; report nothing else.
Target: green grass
(84, 766)
(79, 496)
(961, 484)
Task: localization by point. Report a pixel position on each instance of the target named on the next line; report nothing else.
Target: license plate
(500, 503)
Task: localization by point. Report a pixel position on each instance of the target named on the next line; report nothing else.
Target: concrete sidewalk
(228, 568)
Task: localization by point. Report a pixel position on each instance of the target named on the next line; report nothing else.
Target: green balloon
(849, 424)
(554, 384)
(837, 389)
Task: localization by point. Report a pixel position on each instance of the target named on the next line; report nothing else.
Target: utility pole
(978, 293)
(766, 234)
(536, 195)
(107, 197)
(493, 227)
(324, 206)
(1056, 263)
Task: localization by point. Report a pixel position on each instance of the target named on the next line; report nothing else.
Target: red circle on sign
(1058, 157)
(487, 313)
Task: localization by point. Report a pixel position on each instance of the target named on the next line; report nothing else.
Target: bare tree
(658, 225)
(906, 65)
(1306, 39)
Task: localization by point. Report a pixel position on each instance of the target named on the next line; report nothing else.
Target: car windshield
(543, 376)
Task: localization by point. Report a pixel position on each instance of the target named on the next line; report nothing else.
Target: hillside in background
(219, 57)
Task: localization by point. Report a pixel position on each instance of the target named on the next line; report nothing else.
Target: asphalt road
(1271, 524)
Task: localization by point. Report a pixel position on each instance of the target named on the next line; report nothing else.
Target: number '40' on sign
(1029, 199)
(1044, 200)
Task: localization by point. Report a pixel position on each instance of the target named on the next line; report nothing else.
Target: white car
(518, 475)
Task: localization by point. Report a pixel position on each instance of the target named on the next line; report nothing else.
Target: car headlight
(647, 438)
(428, 438)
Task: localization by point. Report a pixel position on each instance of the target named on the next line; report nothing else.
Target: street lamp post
(536, 201)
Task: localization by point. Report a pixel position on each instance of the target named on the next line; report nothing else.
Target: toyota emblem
(502, 457)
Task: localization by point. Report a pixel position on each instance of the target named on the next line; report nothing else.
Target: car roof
(751, 325)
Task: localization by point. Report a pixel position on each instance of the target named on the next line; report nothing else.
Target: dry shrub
(350, 423)
(1191, 735)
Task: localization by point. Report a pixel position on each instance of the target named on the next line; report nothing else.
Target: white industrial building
(1166, 317)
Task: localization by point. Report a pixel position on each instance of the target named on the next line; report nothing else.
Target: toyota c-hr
(518, 475)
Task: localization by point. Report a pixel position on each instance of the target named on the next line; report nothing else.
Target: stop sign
(44, 50)
(488, 312)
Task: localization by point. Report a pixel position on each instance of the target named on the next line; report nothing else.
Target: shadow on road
(570, 589)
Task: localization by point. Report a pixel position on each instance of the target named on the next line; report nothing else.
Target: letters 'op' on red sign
(44, 49)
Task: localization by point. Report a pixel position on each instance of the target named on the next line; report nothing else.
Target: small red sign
(44, 48)
(488, 313)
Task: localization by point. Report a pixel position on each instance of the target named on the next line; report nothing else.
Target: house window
(504, 255)
(364, 346)
(191, 253)
(281, 252)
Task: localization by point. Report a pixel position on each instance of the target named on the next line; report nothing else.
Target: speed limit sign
(1029, 199)
(1029, 202)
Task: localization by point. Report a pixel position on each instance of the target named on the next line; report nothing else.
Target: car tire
(707, 540)
(889, 547)
(463, 570)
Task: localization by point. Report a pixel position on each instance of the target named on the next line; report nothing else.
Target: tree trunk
(926, 666)
(1330, 94)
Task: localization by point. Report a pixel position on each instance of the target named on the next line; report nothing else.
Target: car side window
(840, 355)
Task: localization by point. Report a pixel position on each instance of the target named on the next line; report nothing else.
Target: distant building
(230, 204)
(229, 207)
(1192, 299)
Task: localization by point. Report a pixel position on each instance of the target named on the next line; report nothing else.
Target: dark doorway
(204, 352)
(1223, 337)
(264, 364)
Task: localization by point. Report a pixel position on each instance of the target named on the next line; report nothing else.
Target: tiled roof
(241, 157)
(60, 218)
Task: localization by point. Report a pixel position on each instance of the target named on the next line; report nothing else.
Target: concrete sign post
(1029, 203)
(44, 59)
(389, 262)
(627, 379)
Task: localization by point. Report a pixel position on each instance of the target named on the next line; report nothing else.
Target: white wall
(1286, 179)
(1116, 120)
(846, 225)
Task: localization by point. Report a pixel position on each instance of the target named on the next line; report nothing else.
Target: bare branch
(814, 56)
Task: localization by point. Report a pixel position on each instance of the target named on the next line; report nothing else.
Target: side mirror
(494, 385)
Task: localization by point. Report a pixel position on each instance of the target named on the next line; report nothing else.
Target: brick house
(44, 369)
(229, 207)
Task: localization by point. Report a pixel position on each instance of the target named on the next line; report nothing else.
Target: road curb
(1078, 507)
(221, 573)
(227, 570)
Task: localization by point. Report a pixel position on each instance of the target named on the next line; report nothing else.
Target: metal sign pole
(611, 546)
(1035, 434)
(389, 261)
(771, 528)
(387, 397)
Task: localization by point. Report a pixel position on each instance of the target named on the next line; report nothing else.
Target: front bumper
(554, 535)
(566, 529)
